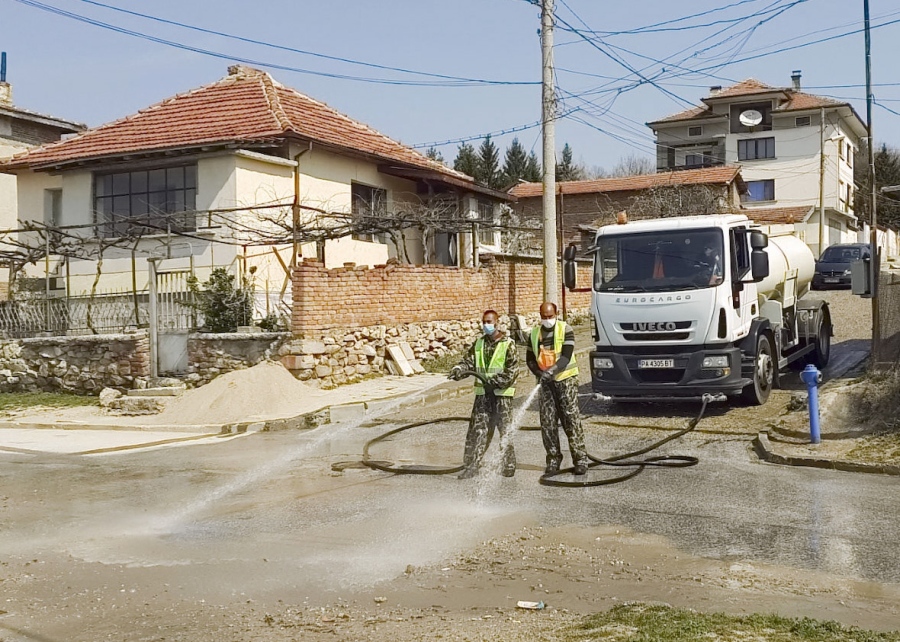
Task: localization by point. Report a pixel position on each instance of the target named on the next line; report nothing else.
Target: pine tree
(533, 172)
(566, 169)
(466, 160)
(515, 164)
(489, 164)
(434, 154)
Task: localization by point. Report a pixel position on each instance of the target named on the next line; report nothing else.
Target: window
(760, 191)
(740, 258)
(698, 159)
(485, 222)
(695, 131)
(756, 148)
(147, 201)
(366, 203)
(52, 207)
(840, 148)
(850, 155)
(802, 121)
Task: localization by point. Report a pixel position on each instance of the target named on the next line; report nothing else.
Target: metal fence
(100, 314)
(888, 344)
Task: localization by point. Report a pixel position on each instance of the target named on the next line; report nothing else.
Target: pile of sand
(265, 391)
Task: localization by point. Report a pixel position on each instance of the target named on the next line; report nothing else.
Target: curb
(765, 451)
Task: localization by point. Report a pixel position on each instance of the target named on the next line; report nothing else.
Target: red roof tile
(705, 176)
(791, 100)
(244, 107)
(776, 215)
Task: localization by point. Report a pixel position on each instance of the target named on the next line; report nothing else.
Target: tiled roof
(792, 100)
(710, 175)
(246, 106)
(775, 215)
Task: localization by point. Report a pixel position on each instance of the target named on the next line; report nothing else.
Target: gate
(177, 317)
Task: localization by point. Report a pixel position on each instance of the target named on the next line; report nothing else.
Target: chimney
(5, 87)
(715, 89)
(795, 79)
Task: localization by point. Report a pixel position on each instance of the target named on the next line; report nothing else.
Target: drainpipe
(295, 207)
(154, 321)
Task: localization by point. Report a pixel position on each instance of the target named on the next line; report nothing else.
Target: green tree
(887, 174)
(224, 304)
(533, 172)
(434, 154)
(566, 169)
(489, 164)
(515, 163)
(466, 160)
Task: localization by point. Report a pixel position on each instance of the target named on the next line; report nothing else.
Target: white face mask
(548, 323)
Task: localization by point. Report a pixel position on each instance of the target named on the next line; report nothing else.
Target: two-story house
(21, 130)
(791, 146)
(222, 175)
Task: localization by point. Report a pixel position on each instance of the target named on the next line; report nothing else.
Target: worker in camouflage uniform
(551, 358)
(493, 356)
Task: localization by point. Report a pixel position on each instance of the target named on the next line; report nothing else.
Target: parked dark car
(833, 267)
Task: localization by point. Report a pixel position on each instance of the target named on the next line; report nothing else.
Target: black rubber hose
(622, 461)
(419, 469)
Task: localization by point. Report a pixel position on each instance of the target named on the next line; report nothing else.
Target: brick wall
(352, 297)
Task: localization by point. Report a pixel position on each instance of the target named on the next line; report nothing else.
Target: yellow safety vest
(559, 335)
(496, 366)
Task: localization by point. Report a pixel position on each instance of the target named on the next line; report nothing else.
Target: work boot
(551, 469)
(508, 472)
(580, 469)
(467, 473)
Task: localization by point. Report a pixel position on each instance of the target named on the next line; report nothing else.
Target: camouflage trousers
(559, 404)
(489, 411)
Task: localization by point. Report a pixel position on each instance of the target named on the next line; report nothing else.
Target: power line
(303, 51)
(207, 52)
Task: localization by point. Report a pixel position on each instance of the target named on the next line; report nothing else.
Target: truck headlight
(601, 363)
(715, 362)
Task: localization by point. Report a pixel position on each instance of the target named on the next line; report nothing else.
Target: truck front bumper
(638, 374)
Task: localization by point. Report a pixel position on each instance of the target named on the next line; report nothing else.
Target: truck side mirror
(570, 272)
(758, 241)
(759, 264)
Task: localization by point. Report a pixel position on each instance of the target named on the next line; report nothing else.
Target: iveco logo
(662, 326)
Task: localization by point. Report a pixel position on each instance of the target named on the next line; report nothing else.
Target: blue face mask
(488, 328)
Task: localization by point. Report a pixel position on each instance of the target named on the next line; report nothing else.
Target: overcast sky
(93, 74)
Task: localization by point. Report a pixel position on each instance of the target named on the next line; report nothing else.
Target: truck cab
(687, 306)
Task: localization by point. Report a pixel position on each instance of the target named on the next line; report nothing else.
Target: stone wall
(397, 295)
(83, 365)
(210, 355)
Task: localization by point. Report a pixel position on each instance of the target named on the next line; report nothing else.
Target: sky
(477, 62)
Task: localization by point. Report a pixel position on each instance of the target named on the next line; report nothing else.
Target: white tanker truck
(700, 304)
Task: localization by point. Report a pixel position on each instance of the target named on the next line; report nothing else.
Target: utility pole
(548, 126)
(875, 263)
(821, 181)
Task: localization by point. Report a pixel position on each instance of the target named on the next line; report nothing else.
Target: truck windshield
(659, 261)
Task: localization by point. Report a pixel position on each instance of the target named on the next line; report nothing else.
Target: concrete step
(157, 392)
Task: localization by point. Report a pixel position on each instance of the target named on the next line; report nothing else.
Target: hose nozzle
(709, 397)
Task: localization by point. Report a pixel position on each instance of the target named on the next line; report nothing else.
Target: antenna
(750, 118)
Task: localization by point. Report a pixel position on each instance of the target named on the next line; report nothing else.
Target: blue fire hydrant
(812, 378)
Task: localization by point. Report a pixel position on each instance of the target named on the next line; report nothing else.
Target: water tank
(787, 253)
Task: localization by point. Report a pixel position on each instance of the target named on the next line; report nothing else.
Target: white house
(789, 144)
(215, 176)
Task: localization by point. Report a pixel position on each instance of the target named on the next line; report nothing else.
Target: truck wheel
(822, 352)
(763, 373)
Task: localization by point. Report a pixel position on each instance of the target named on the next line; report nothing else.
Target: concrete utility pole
(873, 193)
(548, 114)
(821, 181)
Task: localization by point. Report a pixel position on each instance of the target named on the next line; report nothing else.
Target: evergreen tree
(466, 160)
(434, 154)
(887, 174)
(515, 164)
(533, 172)
(566, 169)
(489, 164)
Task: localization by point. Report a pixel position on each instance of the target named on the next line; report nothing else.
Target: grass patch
(442, 365)
(10, 401)
(882, 449)
(645, 623)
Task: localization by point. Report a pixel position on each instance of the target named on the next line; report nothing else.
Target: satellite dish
(750, 118)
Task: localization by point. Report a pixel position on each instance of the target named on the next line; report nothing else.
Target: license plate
(831, 280)
(656, 363)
